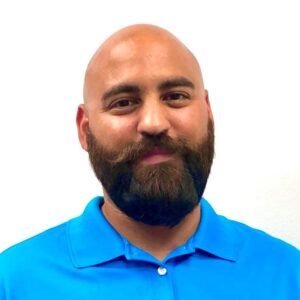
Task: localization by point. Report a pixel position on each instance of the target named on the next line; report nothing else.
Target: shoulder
(264, 248)
(49, 248)
(35, 242)
(245, 241)
(29, 253)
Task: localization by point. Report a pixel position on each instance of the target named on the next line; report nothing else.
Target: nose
(153, 119)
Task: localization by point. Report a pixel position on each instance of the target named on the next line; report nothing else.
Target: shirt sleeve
(2, 285)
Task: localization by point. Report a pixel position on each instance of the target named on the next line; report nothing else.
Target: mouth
(156, 155)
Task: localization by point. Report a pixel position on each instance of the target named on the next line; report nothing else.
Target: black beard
(161, 194)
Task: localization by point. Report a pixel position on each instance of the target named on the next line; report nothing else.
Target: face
(148, 128)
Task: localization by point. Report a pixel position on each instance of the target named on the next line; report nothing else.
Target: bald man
(147, 125)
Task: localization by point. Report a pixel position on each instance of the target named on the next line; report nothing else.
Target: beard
(161, 194)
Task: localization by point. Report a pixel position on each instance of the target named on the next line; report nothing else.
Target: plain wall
(249, 53)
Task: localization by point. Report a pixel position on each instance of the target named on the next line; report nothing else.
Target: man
(147, 125)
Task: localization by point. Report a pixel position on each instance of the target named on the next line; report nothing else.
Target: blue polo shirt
(85, 258)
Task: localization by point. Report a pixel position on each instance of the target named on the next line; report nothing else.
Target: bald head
(139, 43)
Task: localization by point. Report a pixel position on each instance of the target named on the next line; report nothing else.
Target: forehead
(143, 61)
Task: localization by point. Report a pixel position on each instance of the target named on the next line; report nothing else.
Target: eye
(175, 96)
(176, 99)
(123, 105)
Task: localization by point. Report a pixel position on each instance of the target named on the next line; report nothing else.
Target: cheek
(112, 131)
(191, 123)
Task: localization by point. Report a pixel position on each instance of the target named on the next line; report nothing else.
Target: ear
(209, 111)
(82, 122)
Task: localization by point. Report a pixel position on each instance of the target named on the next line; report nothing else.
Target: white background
(250, 55)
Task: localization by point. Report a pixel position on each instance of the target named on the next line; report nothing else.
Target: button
(162, 271)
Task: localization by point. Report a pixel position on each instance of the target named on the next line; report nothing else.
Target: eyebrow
(135, 89)
(119, 89)
(176, 82)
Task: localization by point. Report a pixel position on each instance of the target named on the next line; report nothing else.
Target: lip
(156, 155)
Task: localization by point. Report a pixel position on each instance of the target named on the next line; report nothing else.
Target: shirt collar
(92, 240)
(217, 235)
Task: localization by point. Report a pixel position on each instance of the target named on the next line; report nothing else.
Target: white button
(162, 271)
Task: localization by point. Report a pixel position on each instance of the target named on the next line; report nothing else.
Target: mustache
(133, 151)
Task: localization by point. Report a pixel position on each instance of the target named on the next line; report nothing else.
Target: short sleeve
(2, 285)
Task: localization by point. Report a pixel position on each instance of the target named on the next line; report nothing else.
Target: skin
(144, 56)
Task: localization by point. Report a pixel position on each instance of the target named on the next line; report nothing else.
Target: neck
(159, 241)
